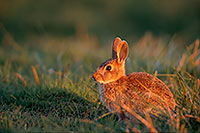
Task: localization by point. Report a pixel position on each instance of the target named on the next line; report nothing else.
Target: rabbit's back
(142, 82)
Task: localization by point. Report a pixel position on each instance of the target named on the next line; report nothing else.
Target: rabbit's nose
(93, 76)
(97, 77)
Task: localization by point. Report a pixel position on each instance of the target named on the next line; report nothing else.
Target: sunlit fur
(138, 91)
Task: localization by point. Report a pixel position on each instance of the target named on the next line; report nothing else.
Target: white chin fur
(104, 82)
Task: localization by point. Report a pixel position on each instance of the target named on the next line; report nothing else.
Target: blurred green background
(63, 42)
(104, 19)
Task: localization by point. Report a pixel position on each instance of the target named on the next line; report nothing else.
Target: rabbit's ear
(115, 44)
(122, 51)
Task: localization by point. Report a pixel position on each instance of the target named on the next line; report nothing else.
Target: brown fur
(139, 91)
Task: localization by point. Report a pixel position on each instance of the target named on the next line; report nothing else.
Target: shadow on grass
(54, 102)
(48, 109)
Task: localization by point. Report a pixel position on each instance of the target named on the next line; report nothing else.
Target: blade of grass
(195, 117)
(177, 119)
(36, 75)
(196, 45)
(181, 63)
(146, 123)
(191, 60)
(21, 78)
(102, 116)
(149, 119)
(198, 84)
(195, 51)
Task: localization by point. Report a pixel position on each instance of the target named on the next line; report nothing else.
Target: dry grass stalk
(197, 62)
(103, 115)
(143, 85)
(195, 117)
(183, 129)
(148, 119)
(170, 114)
(177, 119)
(168, 108)
(181, 63)
(184, 118)
(154, 76)
(198, 85)
(135, 130)
(36, 75)
(21, 78)
(196, 46)
(166, 75)
(146, 123)
(190, 98)
(195, 51)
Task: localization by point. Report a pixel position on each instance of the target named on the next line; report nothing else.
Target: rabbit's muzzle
(97, 77)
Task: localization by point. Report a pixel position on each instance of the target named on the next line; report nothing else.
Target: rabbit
(138, 91)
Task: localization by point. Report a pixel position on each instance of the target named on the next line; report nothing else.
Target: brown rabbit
(139, 91)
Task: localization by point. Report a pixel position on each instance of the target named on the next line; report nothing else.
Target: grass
(46, 85)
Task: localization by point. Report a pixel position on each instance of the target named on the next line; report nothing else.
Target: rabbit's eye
(108, 68)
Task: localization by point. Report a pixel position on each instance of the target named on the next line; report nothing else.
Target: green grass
(66, 98)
